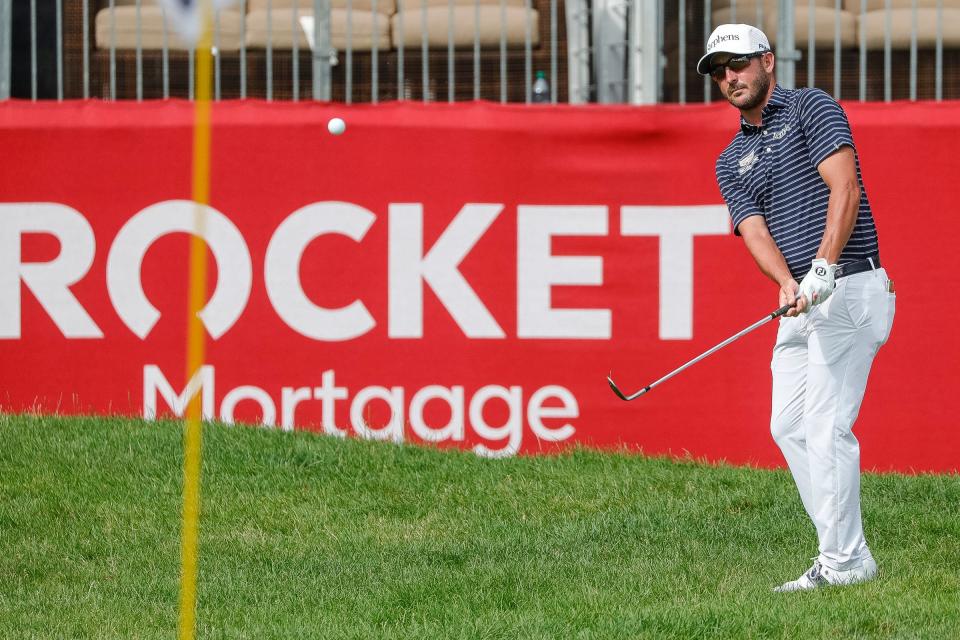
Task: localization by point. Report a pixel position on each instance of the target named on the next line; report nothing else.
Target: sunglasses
(719, 71)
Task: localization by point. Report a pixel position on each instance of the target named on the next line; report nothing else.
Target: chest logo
(779, 134)
(746, 162)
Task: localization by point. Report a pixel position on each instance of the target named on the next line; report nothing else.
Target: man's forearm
(839, 172)
(764, 250)
(842, 210)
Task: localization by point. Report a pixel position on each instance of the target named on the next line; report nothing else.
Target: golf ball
(336, 126)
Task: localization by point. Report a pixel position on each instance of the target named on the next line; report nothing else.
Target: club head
(621, 395)
(616, 390)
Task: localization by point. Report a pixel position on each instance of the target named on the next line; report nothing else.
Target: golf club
(756, 325)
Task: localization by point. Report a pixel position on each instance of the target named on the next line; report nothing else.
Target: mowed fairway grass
(304, 536)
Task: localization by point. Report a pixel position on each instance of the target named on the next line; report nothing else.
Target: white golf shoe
(820, 576)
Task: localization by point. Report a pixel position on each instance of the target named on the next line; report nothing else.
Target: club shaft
(753, 327)
(756, 325)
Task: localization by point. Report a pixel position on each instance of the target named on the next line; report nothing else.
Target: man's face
(743, 80)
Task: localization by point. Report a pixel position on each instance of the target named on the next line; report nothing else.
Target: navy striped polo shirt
(771, 171)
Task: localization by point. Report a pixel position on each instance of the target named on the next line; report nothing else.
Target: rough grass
(304, 536)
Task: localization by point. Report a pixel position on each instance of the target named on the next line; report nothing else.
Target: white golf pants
(820, 366)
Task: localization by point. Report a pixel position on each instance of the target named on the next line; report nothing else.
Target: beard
(755, 94)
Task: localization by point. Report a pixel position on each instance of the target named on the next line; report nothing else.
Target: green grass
(304, 536)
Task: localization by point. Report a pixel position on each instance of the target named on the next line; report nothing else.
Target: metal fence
(854, 49)
(628, 51)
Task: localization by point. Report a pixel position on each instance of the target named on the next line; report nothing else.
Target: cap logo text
(713, 43)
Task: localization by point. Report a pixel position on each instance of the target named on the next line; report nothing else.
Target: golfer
(791, 180)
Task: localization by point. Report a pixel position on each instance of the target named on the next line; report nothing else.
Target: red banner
(460, 274)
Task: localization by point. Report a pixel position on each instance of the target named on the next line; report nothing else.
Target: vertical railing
(424, 54)
(476, 49)
(400, 44)
(528, 54)
(811, 44)
(707, 30)
(374, 56)
(787, 54)
(85, 20)
(217, 56)
(348, 88)
(113, 52)
(165, 55)
(191, 73)
(321, 50)
(269, 53)
(888, 52)
(295, 51)
(243, 49)
(139, 53)
(503, 51)
(634, 52)
(33, 50)
(837, 46)
(59, 22)
(578, 51)
(611, 49)
(6, 47)
(913, 51)
(554, 76)
(682, 51)
(938, 63)
(644, 29)
(863, 51)
(451, 16)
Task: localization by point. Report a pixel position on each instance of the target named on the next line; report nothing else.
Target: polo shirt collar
(778, 100)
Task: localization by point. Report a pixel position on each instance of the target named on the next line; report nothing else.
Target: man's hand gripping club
(814, 289)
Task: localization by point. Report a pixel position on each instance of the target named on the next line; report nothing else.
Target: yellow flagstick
(195, 332)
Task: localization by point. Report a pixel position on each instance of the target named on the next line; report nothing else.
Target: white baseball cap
(739, 39)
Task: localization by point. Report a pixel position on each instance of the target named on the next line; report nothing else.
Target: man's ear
(769, 62)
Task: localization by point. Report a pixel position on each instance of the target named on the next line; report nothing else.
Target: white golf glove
(818, 284)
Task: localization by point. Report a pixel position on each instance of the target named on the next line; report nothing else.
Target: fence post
(787, 54)
(6, 44)
(643, 72)
(578, 51)
(322, 50)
